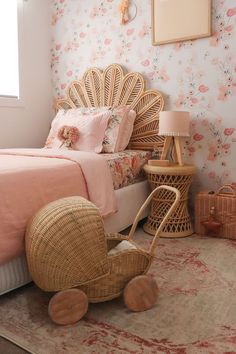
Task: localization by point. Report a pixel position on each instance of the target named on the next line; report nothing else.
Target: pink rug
(195, 312)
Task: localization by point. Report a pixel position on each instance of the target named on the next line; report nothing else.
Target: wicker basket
(66, 247)
(215, 213)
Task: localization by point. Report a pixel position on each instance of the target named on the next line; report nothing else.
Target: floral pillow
(79, 129)
(113, 140)
(126, 131)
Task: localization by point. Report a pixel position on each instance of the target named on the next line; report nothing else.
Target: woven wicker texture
(220, 207)
(112, 88)
(66, 247)
(65, 244)
(123, 267)
(179, 224)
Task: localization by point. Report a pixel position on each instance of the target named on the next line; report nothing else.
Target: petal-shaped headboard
(112, 87)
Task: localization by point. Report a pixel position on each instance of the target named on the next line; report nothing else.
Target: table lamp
(173, 125)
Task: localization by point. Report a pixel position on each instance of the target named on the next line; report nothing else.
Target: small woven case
(212, 208)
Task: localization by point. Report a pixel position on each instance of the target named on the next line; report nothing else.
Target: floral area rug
(195, 312)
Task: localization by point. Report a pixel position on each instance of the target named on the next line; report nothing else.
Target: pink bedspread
(30, 178)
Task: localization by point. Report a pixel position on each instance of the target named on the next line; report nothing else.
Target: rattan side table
(180, 177)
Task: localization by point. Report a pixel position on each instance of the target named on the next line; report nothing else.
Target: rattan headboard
(112, 87)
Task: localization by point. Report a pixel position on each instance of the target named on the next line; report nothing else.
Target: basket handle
(166, 217)
(231, 189)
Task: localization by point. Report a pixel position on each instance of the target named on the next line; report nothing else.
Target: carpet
(195, 312)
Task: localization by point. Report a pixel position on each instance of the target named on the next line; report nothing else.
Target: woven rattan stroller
(68, 251)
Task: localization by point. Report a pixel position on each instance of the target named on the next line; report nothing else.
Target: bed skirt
(14, 274)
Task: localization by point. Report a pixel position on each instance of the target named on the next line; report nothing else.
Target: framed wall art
(180, 20)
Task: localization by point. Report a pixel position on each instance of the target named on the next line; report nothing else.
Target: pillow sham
(79, 129)
(125, 131)
(116, 138)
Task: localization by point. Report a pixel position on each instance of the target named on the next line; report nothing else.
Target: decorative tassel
(211, 224)
(124, 10)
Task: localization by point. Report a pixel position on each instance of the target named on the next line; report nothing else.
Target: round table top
(172, 169)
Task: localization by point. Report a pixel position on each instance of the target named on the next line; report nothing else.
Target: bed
(111, 87)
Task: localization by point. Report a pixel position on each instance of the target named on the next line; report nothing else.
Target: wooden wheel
(141, 293)
(68, 306)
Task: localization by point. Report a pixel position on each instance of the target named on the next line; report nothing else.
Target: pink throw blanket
(31, 178)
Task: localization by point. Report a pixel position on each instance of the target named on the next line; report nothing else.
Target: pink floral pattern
(126, 166)
(224, 23)
(114, 129)
(198, 76)
(68, 136)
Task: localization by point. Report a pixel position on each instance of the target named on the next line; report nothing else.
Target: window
(9, 58)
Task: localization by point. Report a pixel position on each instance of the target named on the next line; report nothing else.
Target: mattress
(127, 166)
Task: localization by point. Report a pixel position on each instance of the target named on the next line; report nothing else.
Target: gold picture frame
(180, 20)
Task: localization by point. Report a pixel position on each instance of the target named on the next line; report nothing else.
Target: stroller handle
(165, 219)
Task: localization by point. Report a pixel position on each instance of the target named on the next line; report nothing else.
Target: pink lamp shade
(174, 123)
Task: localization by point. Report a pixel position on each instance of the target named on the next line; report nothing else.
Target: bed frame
(110, 87)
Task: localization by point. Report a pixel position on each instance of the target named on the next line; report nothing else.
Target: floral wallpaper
(198, 76)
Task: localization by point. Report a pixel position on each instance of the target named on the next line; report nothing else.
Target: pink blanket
(30, 178)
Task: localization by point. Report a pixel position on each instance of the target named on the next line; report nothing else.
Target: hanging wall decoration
(124, 8)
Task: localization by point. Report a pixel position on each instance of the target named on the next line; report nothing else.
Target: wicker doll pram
(68, 251)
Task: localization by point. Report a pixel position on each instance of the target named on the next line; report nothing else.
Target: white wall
(28, 126)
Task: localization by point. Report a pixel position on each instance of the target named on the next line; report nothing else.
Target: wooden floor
(7, 347)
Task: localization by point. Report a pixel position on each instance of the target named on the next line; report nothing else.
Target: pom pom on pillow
(68, 136)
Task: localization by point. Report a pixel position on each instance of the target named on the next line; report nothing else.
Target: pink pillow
(125, 131)
(115, 129)
(91, 129)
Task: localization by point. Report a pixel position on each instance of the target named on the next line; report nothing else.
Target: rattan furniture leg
(180, 177)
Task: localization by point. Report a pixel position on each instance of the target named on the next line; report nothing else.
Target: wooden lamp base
(176, 149)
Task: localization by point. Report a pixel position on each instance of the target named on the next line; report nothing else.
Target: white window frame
(17, 101)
